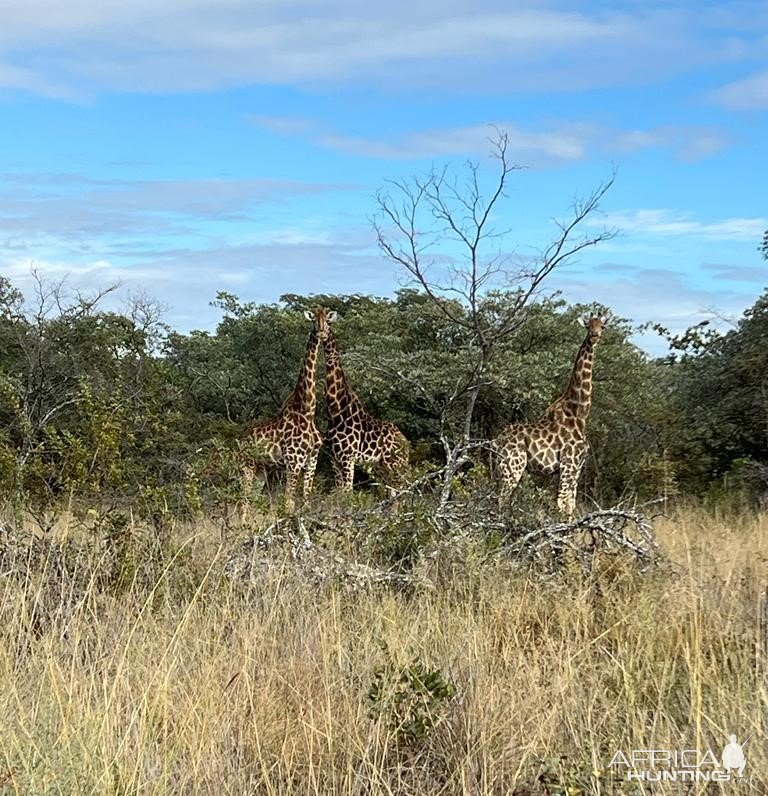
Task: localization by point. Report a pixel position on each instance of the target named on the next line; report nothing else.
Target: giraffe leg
(569, 483)
(511, 462)
(392, 469)
(344, 472)
(246, 485)
(397, 463)
(391, 475)
(309, 471)
(291, 482)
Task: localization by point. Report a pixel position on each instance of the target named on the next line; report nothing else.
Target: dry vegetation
(130, 667)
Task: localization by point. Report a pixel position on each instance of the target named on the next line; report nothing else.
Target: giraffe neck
(303, 398)
(577, 398)
(338, 394)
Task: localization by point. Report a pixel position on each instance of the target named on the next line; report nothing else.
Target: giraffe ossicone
(557, 442)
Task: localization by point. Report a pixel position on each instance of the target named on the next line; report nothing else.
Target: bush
(410, 699)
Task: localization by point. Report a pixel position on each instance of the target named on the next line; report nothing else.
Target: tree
(111, 408)
(86, 405)
(720, 387)
(404, 360)
(439, 229)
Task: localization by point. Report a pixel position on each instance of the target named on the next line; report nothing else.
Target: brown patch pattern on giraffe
(292, 439)
(355, 437)
(557, 442)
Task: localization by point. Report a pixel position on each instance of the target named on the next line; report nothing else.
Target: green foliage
(118, 537)
(398, 543)
(115, 409)
(719, 399)
(411, 699)
(86, 405)
(560, 777)
(563, 776)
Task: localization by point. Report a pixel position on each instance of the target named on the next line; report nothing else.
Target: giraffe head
(322, 318)
(595, 324)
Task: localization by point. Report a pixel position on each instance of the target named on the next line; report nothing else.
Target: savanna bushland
(415, 640)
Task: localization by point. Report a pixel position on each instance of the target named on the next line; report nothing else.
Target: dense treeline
(116, 408)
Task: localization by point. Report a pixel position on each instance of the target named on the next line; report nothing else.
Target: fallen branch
(287, 542)
(612, 531)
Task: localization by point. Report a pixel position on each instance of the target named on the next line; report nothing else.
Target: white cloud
(566, 142)
(486, 45)
(181, 240)
(20, 270)
(16, 77)
(286, 261)
(750, 93)
(186, 279)
(675, 300)
(673, 223)
(82, 213)
(689, 142)
(523, 145)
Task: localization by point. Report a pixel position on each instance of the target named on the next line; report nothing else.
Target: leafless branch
(438, 229)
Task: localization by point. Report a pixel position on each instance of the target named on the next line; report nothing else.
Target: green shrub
(411, 699)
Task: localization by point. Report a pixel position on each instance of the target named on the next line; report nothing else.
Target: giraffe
(354, 436)
(292, 438)
(558, 440)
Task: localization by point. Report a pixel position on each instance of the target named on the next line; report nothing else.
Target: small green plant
(559, 776)
(411, 698)
(563, 776)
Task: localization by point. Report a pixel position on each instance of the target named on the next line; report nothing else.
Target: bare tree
(440, 229)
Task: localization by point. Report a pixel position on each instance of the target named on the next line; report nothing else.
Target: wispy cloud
(523, 145)
(483, 46)
(186, 279)
(564, 143)
(24, 79)
(688, 142)
(737, 273)
(674, 223)
(749, 93)
(181, 240)
(675, 300)
(85, 213)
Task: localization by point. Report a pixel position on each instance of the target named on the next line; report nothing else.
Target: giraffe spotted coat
(558, 441)
(355, 437)
(291, 439)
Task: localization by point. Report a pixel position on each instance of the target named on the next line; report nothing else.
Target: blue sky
(188, 147)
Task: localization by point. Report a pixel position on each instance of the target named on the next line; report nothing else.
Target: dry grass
(197, 685)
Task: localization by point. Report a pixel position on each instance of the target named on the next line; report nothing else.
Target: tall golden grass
(196, 685)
